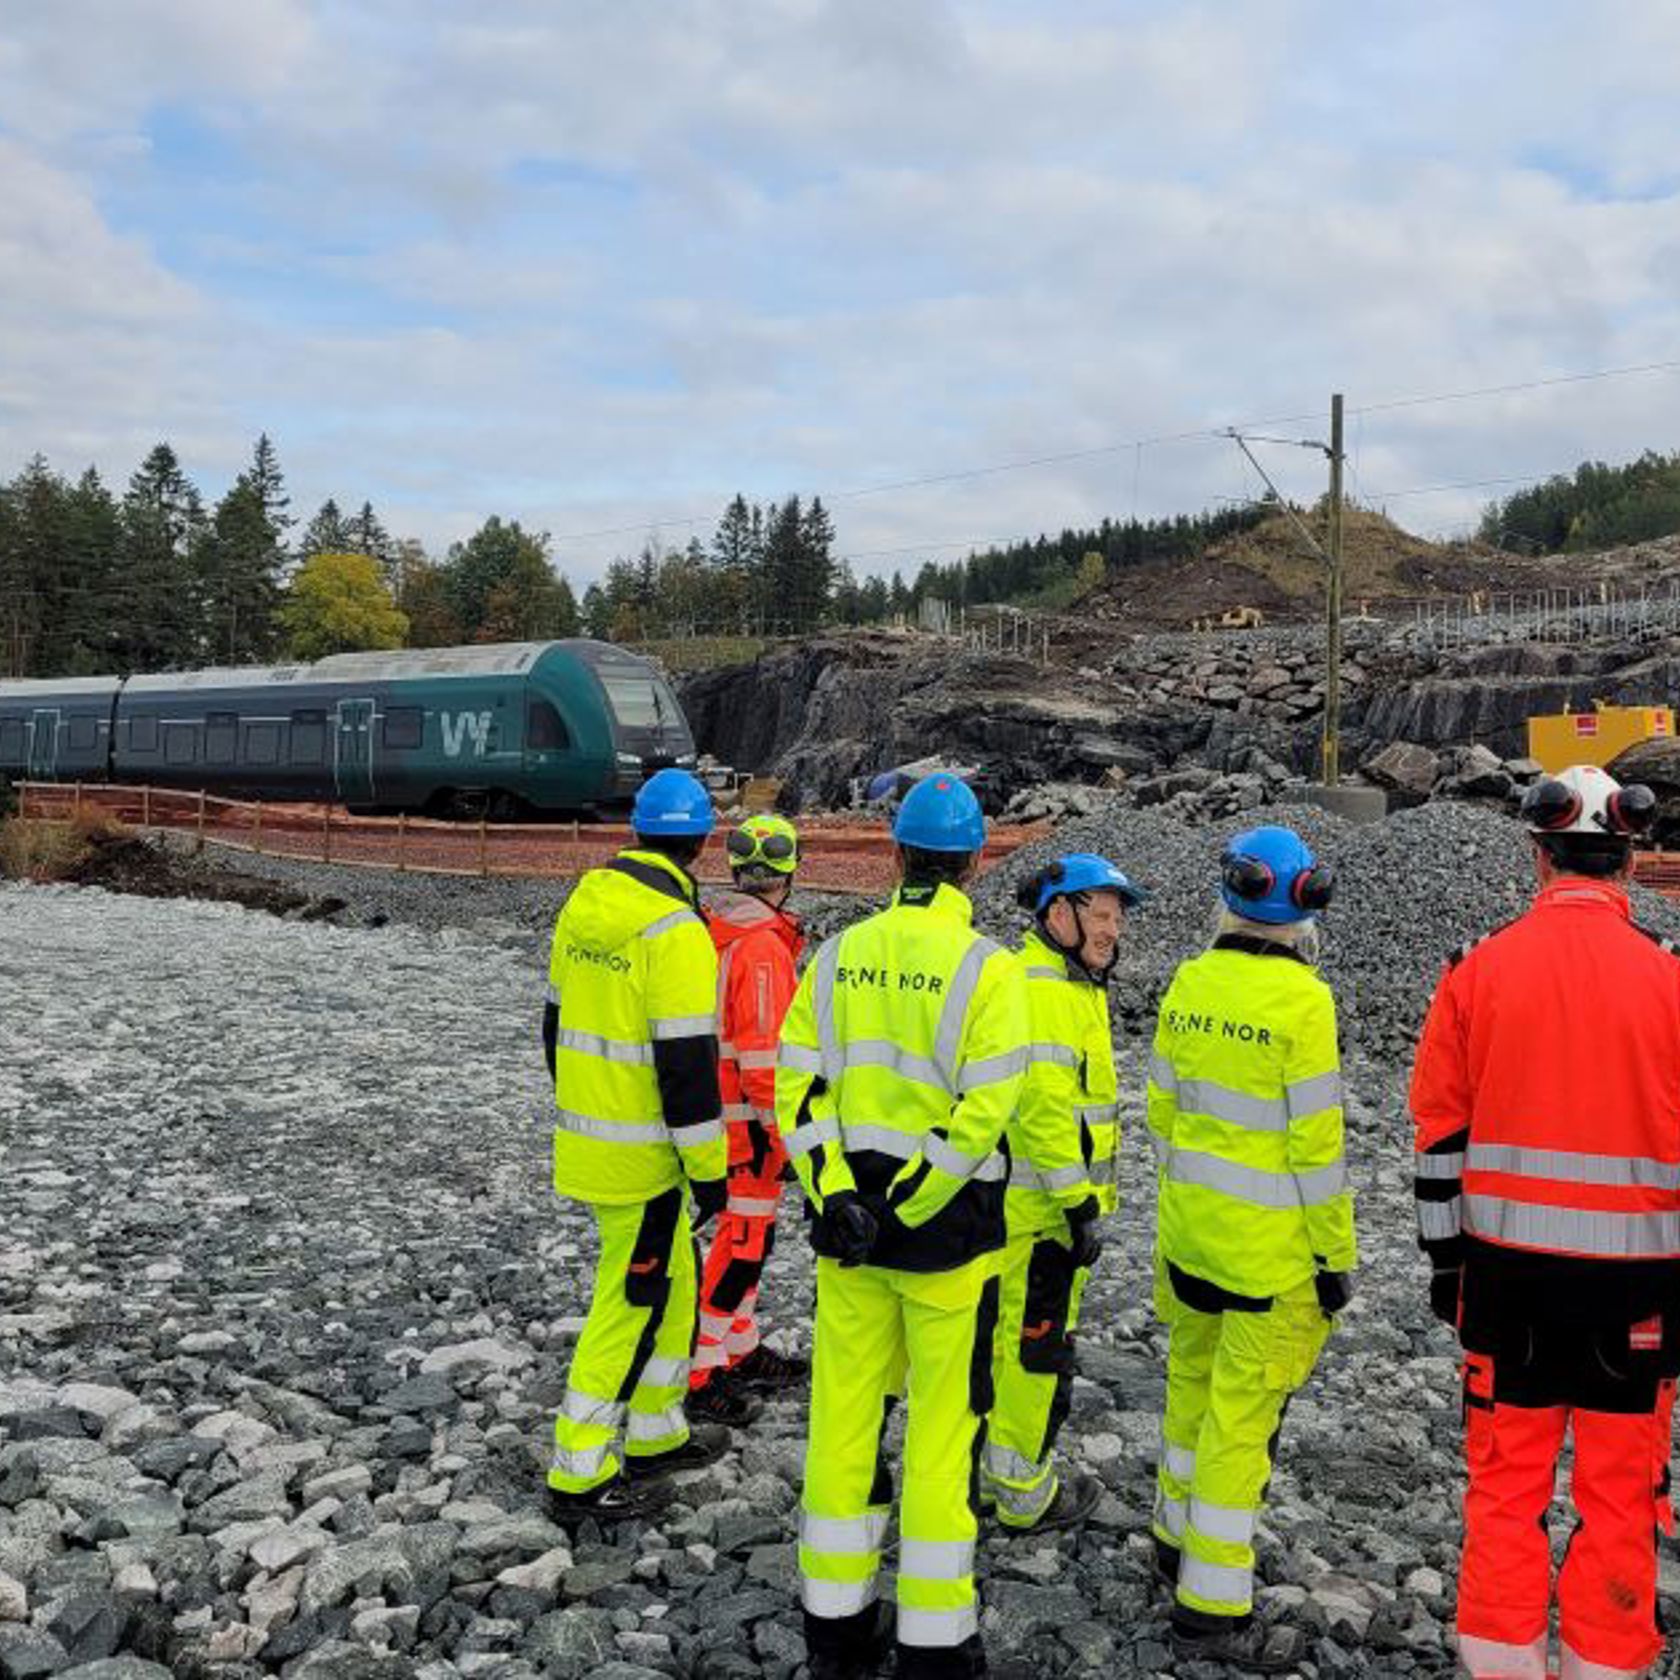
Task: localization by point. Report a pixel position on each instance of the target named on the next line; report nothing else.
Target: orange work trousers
(1607, 1588)
(745, 1237)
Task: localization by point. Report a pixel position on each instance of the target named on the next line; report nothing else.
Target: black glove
(1086, 1246)
(1335, 1290)
(846, 1227)
(711, 1196)
(1444, 1284)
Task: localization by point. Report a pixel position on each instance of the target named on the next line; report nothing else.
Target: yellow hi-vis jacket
(1245, 1109)
(899, 1066)
(633, 975)
(1065, 1131)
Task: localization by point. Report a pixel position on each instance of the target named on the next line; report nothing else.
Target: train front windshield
(644, 703)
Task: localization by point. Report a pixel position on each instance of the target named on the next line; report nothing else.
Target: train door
(353, 752)
(43, 745)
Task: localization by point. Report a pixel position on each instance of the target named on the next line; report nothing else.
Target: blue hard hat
(672, 804)
(1270, 875)
(1081, 872)
(940, 814)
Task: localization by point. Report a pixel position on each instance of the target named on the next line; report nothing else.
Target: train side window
(545, 729)
(221, 737)
(262, 743)
(180, 743)
(309, 737)
(11, 740)
(143, 734)
(405, 727)
(83, 734)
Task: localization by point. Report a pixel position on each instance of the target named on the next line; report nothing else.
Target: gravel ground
(284, 1309)
(510, 910)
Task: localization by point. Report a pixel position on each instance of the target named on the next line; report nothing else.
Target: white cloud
(605, 264)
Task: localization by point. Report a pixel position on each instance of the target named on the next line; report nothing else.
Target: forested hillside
(153, 578)
(1597, 507)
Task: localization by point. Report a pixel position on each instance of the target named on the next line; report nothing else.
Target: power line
(1523, 385)
(981, 545)
(1137, 445)
(1458, 484)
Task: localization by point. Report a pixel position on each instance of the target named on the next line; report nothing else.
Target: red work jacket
(758, 952)
(1546, 1092)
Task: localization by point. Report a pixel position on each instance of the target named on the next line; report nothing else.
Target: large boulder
(1404, 766)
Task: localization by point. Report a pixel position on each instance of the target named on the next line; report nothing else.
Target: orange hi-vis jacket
(758, 952)
(1546, 1092)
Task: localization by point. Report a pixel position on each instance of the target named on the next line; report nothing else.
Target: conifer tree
(365, 535)
(240, 566)
(327, 533)
(162, 525)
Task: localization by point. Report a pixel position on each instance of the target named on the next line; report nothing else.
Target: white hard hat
(1587, 800)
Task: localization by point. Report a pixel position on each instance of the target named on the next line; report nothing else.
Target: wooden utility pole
(1333, 605)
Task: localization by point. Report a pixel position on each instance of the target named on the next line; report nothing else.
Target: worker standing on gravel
(1255, 1250)
(1546, 1098)
(631, 1040)
(900, 1065)
(1062, 1148)
(758, 945)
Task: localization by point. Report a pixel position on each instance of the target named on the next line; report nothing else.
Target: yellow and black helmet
(764, 846)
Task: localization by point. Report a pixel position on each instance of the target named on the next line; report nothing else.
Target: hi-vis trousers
(629, 1371)
(1032, 1375)
(745, 1240)
(1607, 1588)
(1229, 1375)
(876, 1328)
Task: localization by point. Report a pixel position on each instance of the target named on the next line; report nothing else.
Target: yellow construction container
(1564, 738)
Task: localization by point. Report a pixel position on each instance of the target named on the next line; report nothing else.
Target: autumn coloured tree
(338, 603)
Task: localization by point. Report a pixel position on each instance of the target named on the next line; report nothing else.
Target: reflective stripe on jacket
(1064, 1135)
(633, 973)
(1245, 1108)
(900, 1064)
(1546, 1091)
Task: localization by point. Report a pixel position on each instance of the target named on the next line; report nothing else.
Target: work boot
(612, 1502)
(719, 1401)
(765, 1371)
(852, 1651)
(966, 1661)
(1246, 1644)
(706, 1443)
(1077, 1497)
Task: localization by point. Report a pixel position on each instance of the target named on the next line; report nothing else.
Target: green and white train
(510, 729)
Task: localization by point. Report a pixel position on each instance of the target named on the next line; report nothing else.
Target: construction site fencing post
(326, 834)
(483, 846)
(402, 842)
(256, 828)
(146, 806)
(200, 846)
(76, 803)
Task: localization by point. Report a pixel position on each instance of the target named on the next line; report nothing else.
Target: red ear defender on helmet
(1550, 805)
(1247, 877)
(1313, 888)
(1629, 810)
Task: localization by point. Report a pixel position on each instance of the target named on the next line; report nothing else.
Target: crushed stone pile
(1409, 891)
(285, 1307)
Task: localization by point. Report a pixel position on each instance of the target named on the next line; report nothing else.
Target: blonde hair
(1302, 937)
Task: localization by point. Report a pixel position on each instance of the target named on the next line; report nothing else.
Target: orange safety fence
(838, 855)
(1660, 871)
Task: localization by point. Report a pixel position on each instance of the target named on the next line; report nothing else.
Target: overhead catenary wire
(1221, 433)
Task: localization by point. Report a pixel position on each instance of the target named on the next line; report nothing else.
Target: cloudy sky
(599, 264)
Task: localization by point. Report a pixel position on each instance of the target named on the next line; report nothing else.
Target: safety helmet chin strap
(1073, 954)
